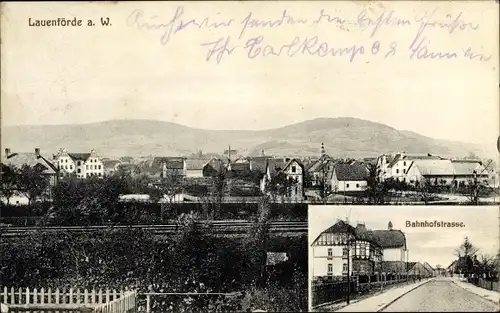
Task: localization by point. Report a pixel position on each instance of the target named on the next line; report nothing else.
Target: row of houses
(413, 169)
(343, 250)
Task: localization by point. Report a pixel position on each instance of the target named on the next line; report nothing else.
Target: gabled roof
(174, 164)
(159, 161)
(433, 167)
(275, 165)
(110, 163)
(350, 172)
(196, 164)
(31, 159)
(258, 164)
(290, 163)
(240, 167)
(390, 238)
(467, 167)
(79, 156)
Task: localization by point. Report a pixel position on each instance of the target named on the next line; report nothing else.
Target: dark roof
(275, 165)
(259, 163)
(350, 172)
(365, 234)
(79, 156)
(340, 227)
(240, 167)
(158, 161)
(31, 159)
(292, 161)
(174, 164)
(411, 265)
(390, 238)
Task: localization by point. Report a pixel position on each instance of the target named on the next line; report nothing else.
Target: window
(294, 169)
(330, 253)
(86, 167)
(99, 173)
(404, 179)
(99, 167)
(357, 185)
(344, 267)
(330, 268)
(397, 171)
(404, 171)
(404, 163)
(345, 252)
(347, 185)
(79, 163)
(71, 167)
(78, 170)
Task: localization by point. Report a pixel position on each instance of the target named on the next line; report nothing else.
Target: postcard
(167, 156)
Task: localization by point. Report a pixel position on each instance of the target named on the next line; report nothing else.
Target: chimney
(262, 153)
(361, 226)
(7, 152)
(428, 154)
(389, 226)
(323, 152)
(37, 152)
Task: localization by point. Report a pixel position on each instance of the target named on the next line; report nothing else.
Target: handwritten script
(251, 34)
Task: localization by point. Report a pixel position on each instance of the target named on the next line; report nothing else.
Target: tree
(376, 189)
(9, 178)
(425, 190)
(218, 190)
(465, 253)
(170, 185)
(32, 183)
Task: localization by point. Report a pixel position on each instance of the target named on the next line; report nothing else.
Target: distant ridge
(342, 137)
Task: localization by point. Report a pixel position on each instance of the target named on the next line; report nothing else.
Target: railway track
(218, 227)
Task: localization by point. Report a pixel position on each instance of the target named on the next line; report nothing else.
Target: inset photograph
(404, 259)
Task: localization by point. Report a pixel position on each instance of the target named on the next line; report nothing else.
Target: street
(441, 296)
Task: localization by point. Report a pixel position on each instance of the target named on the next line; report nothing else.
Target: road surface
(441, 296)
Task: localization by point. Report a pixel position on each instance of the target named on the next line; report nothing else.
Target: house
(343, 249)
(350, 177)
(418, 269)
(194, 167)
(110, 166)
(240, 169)
(35, 160)
(83, 165)
(393, 243)
(213, 167)
(445, 172)
(174, 167)
(320, 169)
(293, 171)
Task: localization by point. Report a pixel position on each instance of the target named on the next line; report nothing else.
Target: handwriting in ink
(249, 22)
(173, 25)
(308, 46)
(218, 47)
(386, 18)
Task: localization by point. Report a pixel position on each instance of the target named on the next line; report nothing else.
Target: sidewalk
(489, 295)
(382, 300)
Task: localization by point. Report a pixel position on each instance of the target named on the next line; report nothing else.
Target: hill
(343, 137)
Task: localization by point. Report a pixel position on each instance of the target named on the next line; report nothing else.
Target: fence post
(5, 297)
(57, 296)
(12, 295)
(49, 296)
(35, 296)
(70, 296)
(148, 304)
(42, 295)
(27, 296)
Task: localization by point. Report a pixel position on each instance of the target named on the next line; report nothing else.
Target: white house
(446, 172)
(194, 167)
(349, 177)
(294, 172)
(83, 165)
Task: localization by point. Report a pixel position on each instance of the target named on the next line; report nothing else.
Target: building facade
(82, 165)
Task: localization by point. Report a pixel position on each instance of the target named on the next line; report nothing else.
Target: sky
(86, 74)
(432, 245)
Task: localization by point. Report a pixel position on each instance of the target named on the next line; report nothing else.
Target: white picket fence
(103, 301)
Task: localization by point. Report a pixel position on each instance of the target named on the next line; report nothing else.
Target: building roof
(159, 161)
(174, 164)
(390, 238)
(467, 167)
(31, 159)
(110, 163)
(240, 167)
(258, 164)
(433, 167)
(196, 164)
(393, 266)
(365, 234)
(275, 165)
(79, 156)
(340, 227)
(350, 172)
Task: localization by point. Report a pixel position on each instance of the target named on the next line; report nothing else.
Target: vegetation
(193, 261)
(471, 263)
